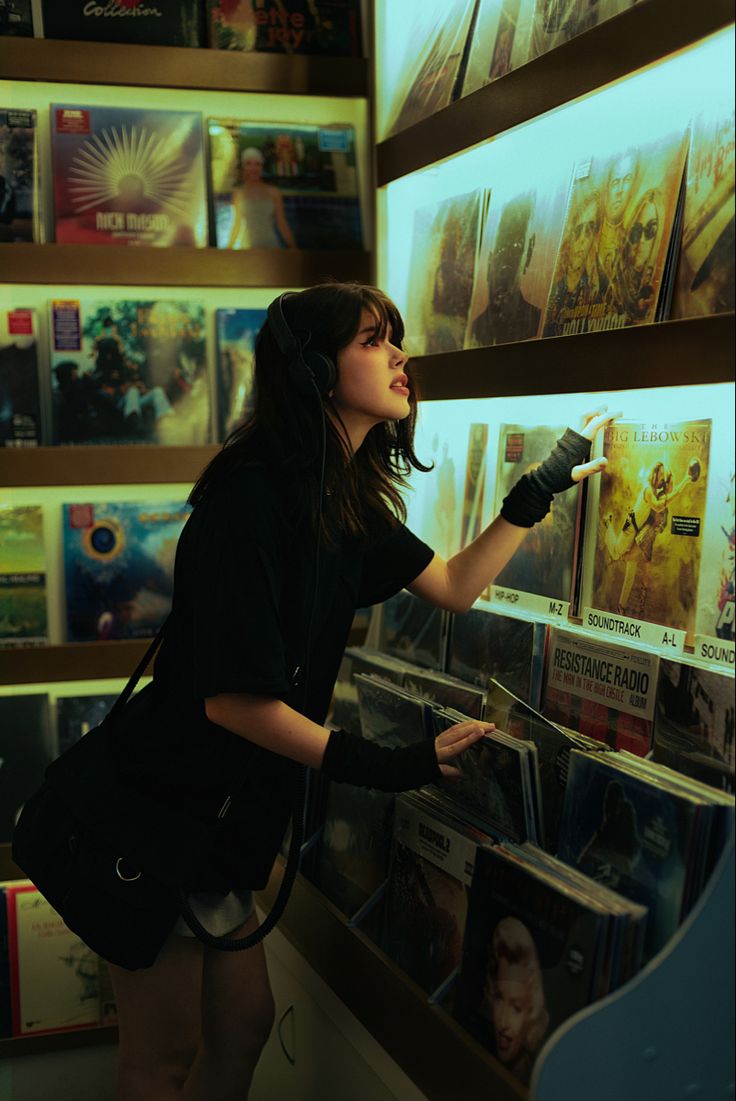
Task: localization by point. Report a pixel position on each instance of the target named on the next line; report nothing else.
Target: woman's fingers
(584, 470)
(458, 738)
(595, 421)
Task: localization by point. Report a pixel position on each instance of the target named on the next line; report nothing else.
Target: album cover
(129, 372)
(543, 563)
(20, 400)
(23, 620)
(694, 723)
(618, 231)
(432, 70)
(77, 715)
(716, 612)
(483, 645)
(475, 484)
(16, 18)
(119, 567)
(443, 255)
(352, 862)
(705, 276)
(328, 28)
(236, 338)
(26, 748)
(430, 871)
(520, 235)
(495, 791)
(345, 712)
(446, 691)
(20, 215)
(53, 975)
(530, 958)
(412, 630)
(128, 176)
(606, 692)
(633, 834)
(500, 41)
(279, 185)
(555, 22)
(651, 508)
(163, 23)
(389, 715)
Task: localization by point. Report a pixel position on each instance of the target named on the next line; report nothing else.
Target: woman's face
(252, 169)
(511, 1007)
(372, 386)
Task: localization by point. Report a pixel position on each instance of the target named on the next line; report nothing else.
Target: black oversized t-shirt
(244, 587)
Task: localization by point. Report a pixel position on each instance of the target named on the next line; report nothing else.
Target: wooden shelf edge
(118, 265)
(113, 465)
(669, 353)
(71, 661)
(646, 33)
(380, 996)
(15, 1046)
(118, 63)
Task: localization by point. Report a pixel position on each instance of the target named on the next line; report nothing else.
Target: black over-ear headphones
(308, 367)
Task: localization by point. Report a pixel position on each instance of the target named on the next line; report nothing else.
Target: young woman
(296, 523)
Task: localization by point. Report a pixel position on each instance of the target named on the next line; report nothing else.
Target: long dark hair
(285, 427)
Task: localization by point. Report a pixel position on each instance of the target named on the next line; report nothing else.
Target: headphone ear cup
(323, 370)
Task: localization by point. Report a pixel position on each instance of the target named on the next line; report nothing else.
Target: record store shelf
(669, 353)
(124, 465)
(179, 267)
(440, 1057)
(645, 33)
(181, 67)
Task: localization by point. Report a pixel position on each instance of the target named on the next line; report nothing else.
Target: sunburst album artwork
(128, 176)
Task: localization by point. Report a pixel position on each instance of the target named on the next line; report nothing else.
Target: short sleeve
(232, 578)
(390, 564)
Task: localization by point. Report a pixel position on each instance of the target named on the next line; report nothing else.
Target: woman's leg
(237, 1017)
(160, 1021)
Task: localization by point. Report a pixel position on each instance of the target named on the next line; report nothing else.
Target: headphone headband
(309, 368)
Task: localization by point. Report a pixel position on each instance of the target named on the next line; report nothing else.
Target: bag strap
(139, 670)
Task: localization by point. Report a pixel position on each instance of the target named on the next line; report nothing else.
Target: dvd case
(128, 176)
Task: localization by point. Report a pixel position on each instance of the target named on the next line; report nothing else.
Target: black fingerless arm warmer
(530, 499)
(349, 759)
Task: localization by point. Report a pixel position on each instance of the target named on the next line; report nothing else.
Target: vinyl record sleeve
(20, 399)
(119, 567)
(25, 750)
(326, 28)
(483, 644)
(20, 214)
(23, 613)
(236, 338)
(694, 723)
(126, 371)
(128, 176)
(278, 185)
(412, 630)
(77, 715)
(159, 23)
(354, 848)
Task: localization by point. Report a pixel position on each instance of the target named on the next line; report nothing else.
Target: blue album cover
(277, 185)
(119, 567)
(236, 340)
(632, 835)
(77, 715)
(127, 371)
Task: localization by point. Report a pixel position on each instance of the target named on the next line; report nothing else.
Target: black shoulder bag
(118, 864)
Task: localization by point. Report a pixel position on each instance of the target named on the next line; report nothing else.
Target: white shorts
(219, 914)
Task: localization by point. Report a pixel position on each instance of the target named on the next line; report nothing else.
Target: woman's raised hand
(454, 741)
(592, 424)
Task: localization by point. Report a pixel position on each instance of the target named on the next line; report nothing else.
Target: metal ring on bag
(125, 878)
